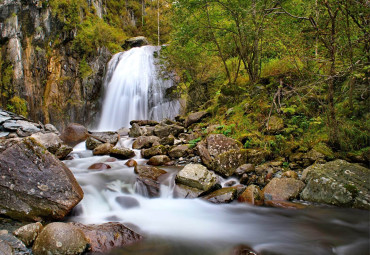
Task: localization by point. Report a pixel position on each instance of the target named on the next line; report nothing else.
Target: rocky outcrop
(338, 183)
(196, 176)
(35, 184)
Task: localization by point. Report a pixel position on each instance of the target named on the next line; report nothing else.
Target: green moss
(84, 69)
(18, 106)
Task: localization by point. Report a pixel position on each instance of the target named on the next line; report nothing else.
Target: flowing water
(135, 90)
(194, 226)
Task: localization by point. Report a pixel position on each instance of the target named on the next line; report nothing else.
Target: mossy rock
(226, 163)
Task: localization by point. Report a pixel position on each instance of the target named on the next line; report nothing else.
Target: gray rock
(245, 168)
(28, 233)
(50, 141)
(3, 119)
(51, 128)
(179, 151)
(195, 117)
(106, 137)
(222, 196)
(4, 134)
(196, 176)
(136, 42)
(144, 142)
(167, 130)
(154, 151)
(135, 130)
(338, 183)
(17, 247)
(144, 122)
(183, 191)
(282, 189)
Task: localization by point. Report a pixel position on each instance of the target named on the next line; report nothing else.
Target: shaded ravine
(194, 226)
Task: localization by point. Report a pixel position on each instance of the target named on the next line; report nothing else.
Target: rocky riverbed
(37, 187)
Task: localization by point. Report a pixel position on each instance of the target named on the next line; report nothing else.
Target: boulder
(179, 151)
(50, 141)
(123, 131)
(144, 122)
(137, 41)
(244, 169)
(196, 176)
(222, 196)
(92, 143)
(159, 160)
(74, 134)
(131, 163)
(149, 172)
(103, 238)
(195, 117)
(290, 174)
(282, 189)
(147, 187)
(167, 130)
(217, 144)
(106, 137)
(5, 248)
(60, 238)
(10, 245)
(99, 167)
(154, 151)
(103, 149)
(169, 140)
(226, 163)
(63, 151)
(135, 130)
(337, 183)
(144, 142)
(251, 195)
(28, 233)
(284, 204)
(121, 153)
(22, 127)
(35, 184)
(183, 191)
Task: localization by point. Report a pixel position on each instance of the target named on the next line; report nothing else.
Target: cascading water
(135, 90)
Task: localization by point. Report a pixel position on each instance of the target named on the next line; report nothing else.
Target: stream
(194, 226)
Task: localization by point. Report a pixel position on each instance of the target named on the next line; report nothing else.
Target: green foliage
(194, 142)
(18, 106)
(84, 69)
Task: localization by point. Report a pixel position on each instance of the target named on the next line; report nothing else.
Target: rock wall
(38, 65)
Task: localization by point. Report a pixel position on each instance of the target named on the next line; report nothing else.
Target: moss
(18, 106)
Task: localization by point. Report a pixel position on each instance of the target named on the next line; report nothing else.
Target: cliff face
(39, 69)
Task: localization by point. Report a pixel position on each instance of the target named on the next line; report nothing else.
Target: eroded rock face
(34, 184)
(103, 149)
(282, 189)
(103, 238)
(338, 183)
(60, 238)
(196, 176)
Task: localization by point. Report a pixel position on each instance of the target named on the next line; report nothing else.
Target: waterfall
(135, 90)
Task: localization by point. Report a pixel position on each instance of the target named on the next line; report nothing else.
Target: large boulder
(135, 42)
(196, 176)
(92, 143)
(195, 117)
(103, 149)
(60, 238)
(144, 142)
(226, 163)
(106, 137)
(154, 151)
(338, 183)
(282, 189)
(135, 130)
(179, 151)
(74, 134)
(103, 238)
(167, 130)
(35, 184)
(51, 141)
(122, 153)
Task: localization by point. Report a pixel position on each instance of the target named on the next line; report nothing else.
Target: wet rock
(290, 174)
(338, 183)
(196, 176)
(103, 238)
(154, 151)
(147, 130)
(159, 160)
(5, 248)
(74, 134)
(135, 42)
(28, 233)
(121, 153)
(252, 195)
(27, 128)
(183, 191)
(144, 122)
(179, 151)
(147, 187)
(195, 117)
(35, 184)
(282, 189)
(106, 137)
(284, 204)
(127, 202)
(63, 151)
(92, 143)
(103, 149)
(245, 168)
(99, 166)
(135, 131)
(131, 163)
(169, 140)
(144, 142)
(60, 238)
(167, 130)
(110, 159)
(230, 183)
(149, 172)
(50, 141)
(17, 247)
(221, 196)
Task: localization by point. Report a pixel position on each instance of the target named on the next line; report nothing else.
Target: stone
(195, 117)
(154, 151)
(92, 143)
(63, 151)
(105, 237)
(257, 156)
(34, 184)
(51, 128)
(226, 163)
(275, 124)
(103, 149)
(60, 238)
(166, 130)
(144, 142)
(159, 160)
(122, 153)
(131, 163)
(337, 183)
(16, 245)
(99, 167)
(179, 151)
(135, 42)
(135, 130)
(127, 202)
(5, 248)
(217, 144)
(50, 141)
(251, 195)
(290, 174)
(123, 131)
(106, 137)
(282, 189)
(144, 122)
(149, 172)
(74, 134)
(196, 176)
(28, 233)
(147, 187)
(169, 140)
(284, 204)
(183, 191)
(222, 196)
(245, 168)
